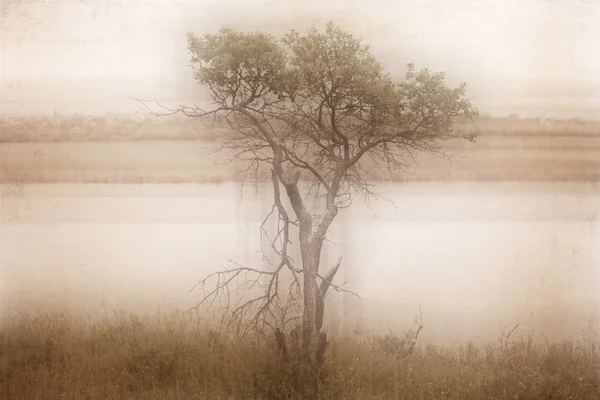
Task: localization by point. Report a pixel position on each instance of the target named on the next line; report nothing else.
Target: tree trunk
(314, 341)
(311, 244)
(311, 294)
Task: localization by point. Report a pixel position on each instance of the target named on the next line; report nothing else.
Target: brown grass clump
(58, 356)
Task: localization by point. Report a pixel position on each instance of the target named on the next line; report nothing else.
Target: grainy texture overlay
(299, 200)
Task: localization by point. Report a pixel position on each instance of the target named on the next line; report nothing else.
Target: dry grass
(513, 125)
(185, 162)
(130, 149)
(110, 128)
(175, 356)
(84, 128)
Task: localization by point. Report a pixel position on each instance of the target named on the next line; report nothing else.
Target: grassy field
(176, 356)
(191, 161)
(82, 128)
(134, 149)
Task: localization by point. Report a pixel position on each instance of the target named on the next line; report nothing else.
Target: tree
(319, 107)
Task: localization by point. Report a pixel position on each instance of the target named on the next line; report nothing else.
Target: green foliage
(331, 69)
(426, 93)
(237, 66)
(324, 100)
(336, 67)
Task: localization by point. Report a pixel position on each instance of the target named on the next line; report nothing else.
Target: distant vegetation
(174, 149)
(148, 127)
(81, 128)
(176, 356)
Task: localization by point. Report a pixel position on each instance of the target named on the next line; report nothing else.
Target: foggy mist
(474, 257)
(535, 58)
(104, 206)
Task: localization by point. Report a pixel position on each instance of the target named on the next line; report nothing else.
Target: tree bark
(311, 245)
(311, 293)
(314, 341)
(323, 287)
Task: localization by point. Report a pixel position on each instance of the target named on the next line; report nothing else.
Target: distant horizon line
(493, 115)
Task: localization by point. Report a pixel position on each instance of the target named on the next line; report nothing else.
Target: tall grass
(53, 355)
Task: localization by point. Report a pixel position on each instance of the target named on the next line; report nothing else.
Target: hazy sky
(88, 55)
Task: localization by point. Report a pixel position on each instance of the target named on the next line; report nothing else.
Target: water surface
(475, 257)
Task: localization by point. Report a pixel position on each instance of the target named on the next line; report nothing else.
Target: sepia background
(105, 206)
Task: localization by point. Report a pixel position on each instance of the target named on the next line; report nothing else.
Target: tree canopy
(325, 103)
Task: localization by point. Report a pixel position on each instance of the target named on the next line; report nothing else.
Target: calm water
(475, 257)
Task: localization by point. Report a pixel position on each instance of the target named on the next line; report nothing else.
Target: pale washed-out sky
(536, 57)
